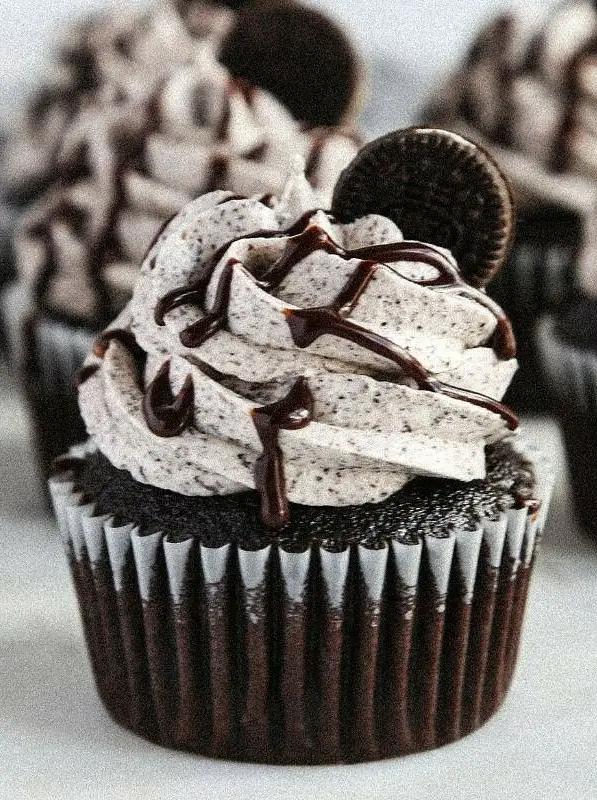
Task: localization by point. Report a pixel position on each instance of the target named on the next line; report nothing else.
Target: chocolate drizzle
(308, 324)
(165, 414)
(561, 155)
(128, 341)
(84, 374)
(101, 242)
(293, 412)
(199, 332)
(319, 139)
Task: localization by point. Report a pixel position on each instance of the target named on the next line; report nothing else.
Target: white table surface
(57, 742)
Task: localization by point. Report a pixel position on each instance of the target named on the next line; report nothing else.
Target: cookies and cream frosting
(528, 91)
(110, 56)
(269, 347)
(136, 164)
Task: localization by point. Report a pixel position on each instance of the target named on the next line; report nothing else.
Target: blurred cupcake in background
(126, 162)
(527, 91)
(107, 56)
(567, 346)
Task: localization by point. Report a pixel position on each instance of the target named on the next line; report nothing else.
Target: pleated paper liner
(571, 374)
(539, 274)
(45, 354)
(302, 658)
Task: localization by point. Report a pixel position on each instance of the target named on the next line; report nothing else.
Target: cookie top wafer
(437, 187)
(300, 56)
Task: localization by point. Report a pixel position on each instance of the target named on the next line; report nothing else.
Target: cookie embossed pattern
(304, 529)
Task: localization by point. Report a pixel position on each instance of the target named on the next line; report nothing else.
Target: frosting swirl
(126, 167)
(527, 91)
(320, 363)
(123, 55)
(532, 86)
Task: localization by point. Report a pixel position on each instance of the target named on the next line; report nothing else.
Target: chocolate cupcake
(302, 531)
(527, 91)
(567, 346)
(104, 58)
(125, 167)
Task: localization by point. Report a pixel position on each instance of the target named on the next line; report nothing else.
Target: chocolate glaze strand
(308, 324)
(313, 238)
(84, 374)
(165, 414)
(293, 412)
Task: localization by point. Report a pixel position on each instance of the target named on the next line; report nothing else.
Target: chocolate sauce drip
(319, 138)
(84, 374)
(315, 238)
(103, 246)
(217, 173)
(194, 294)
(257, 153)
(127, 340)
(156, 238)
(232, 197)
(293, 412)
(64, 464)
(311, 239)
(244, 88)
(308, 324)
(199, 332)
(165, 414)
(267, 199)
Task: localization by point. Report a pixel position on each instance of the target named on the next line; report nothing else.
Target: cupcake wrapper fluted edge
(45, 355)
(311, 657)
(571, 374)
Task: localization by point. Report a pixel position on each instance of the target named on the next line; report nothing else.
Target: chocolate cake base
(539, 275)
(52, 353)
(288, 651)
(567, 343)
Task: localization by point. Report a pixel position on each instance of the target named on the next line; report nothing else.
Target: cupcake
(124, 167)
(527, 91)
(302, 530)
(106, 56)
(567, 347)
(101, 58)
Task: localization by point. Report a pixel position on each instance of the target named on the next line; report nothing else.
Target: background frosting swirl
(127, 166)
(370, 428)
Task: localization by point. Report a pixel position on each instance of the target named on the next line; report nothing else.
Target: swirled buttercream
(273, 348)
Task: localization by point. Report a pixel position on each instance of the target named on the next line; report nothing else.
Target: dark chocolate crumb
(426, 506)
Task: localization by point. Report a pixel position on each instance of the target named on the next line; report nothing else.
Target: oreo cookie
(298, 55)
(439, 188)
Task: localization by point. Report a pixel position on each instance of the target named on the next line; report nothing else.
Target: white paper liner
(356, 587)
(60, 349)
(571, 372)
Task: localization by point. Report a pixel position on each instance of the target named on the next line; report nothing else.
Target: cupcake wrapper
(312, 657)
(539, 274)
(571, 374)
(46, 355)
